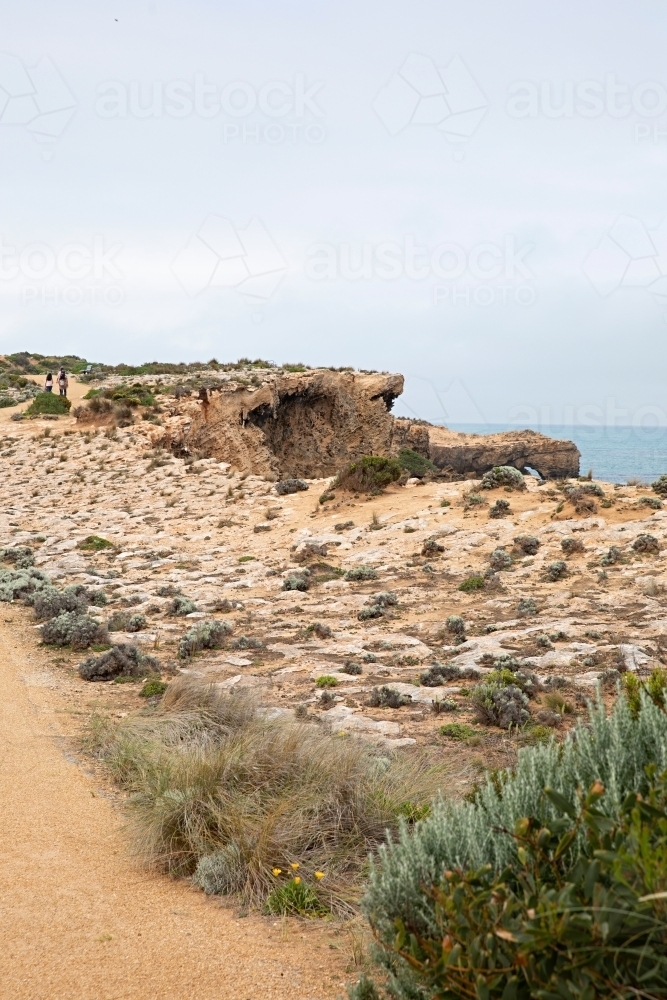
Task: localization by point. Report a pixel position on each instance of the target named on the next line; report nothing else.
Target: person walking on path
(62, 382)
(48, 383)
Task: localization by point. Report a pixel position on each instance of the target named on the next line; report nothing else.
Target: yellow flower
(277, 871)
(294, 865)
(297, 879)
(319, 875)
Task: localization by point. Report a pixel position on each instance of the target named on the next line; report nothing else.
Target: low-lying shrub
(414, 463)
(612, 556)
(48, 402)
(297, 581)
(370, 474)
(386, 697)
(526, 607)
(499, 703)
(21, 556)
(501, 508)
(432, 547)
(70, 628)
(203, 635)
(287, 486)
(209, 777)
(358, 573)
(528, 544)
(660, 485)
(93, 543)
(613, 749)
(23, 583)
(646, 543)
(122, 660)
(571, 545)
(50, 601)
(503, 475)
(586, 923)
(500, 559)
(472, 584)
(181, 606)
(555, 570)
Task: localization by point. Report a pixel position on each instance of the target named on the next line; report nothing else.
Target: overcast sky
(471, 194)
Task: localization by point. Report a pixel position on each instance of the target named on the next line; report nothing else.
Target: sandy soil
(78, 919)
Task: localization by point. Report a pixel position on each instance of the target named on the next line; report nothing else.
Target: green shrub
(326, 681)
(660, 485)
(472, 584)
(414, 463)
(501, 508)
(612, 748)
(153, 688)
(203, 635)
(358, 573)
(457, 731)
(588, 923)
(456, 625)
(371, 474)
(500, 559)
(526, 607)
(48, 402)
(294, 898)
(70, 628)
(93, 543)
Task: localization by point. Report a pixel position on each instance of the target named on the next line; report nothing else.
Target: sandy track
(79, 920)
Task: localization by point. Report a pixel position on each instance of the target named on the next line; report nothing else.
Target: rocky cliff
(306, 424)
(311, 423)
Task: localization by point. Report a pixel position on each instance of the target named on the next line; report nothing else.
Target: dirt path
(79, 920)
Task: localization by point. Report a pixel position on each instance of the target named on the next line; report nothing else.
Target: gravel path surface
(79, 920)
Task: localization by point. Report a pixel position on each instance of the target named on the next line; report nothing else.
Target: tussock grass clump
(210, 778)
(371, 474)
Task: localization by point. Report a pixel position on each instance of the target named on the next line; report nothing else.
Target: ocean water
(615, 454)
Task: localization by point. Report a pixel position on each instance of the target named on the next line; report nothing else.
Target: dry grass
(207, 772)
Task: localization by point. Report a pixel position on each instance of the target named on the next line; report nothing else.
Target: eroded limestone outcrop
(466, 454)
(306, 424)
(309, 424)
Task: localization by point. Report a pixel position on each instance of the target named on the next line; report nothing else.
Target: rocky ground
(571, 614)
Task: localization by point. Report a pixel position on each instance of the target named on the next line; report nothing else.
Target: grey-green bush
(181, 606)
(203, 635)
(613, 748)
(21, 583)
(50, 601)
(75, 630)
(222, 873)
(503, 475)
(122, 660)
(21, 555)
(361, 573)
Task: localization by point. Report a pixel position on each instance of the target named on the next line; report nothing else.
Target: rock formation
(311, 423)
